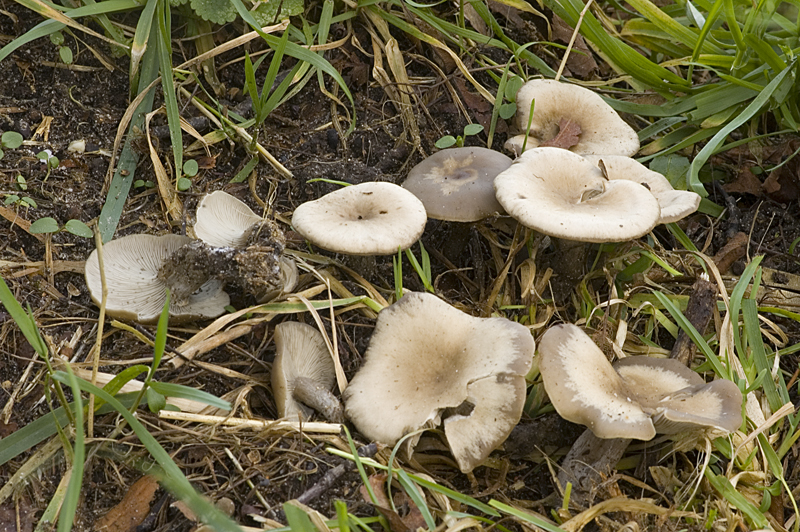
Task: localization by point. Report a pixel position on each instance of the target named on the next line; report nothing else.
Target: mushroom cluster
(635, 398)
(428, 362)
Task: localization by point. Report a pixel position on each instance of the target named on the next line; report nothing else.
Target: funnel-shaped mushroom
(224, 221)
(135, 290)
(457, 184)
(675, 204)
(561, 194)
(425, 357)
(303, 373)
(602, 131)
(367, 219)
(637, 397)
(677, 398)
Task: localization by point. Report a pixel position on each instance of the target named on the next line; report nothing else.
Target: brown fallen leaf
(410, 522)
(580, 62)
(569, 133)
(132, 510)
(745, 183)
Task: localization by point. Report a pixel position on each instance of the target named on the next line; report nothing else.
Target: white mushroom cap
(677, 398)
(602, 130)
(456, 184)
(585, 389)
(367, 219)
(675, 204)
(635, 398)
(561, 194)
(426, 356)
(135, 292)
(300, 352)
(223, 220)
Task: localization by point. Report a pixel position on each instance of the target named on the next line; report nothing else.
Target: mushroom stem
(315, 396)
(591, 458)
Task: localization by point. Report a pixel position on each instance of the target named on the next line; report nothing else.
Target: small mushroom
(585, 389)
(303, 373)
(425, 360)
(674, 204)
(254, 247)
(135, 289)
(602, 131)
(367, 219)
(456, 184)
(224, 221)
(561, 194)
(678, 399)
(635, 398)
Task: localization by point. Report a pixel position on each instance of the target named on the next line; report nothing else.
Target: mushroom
(678, 399)
(425, 361)
(367, 219)
(561, 194)
(602, 131)
(637, 397)
(135, 289)
(457, 184)
(224, 221)
(674, 204)
(585, 389)
(303, 373)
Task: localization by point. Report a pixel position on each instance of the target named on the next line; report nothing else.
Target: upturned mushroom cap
(602, 130)
(223, 220)
(678, 399)
(675, 204)
(300, 351)
(367, 219)
(585, 389)
(424, 357)
(561, 194)
(135, 292)
(635, 398)
(456, 184)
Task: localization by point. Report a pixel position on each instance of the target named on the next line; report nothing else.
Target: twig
(259, 424)
(325, 483)
(572, 40)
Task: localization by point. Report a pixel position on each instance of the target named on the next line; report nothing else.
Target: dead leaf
(735, 249)
(411, 521)
(782, 186)
(133, 508)
(582, 63)
(569, 133)
(745, 183)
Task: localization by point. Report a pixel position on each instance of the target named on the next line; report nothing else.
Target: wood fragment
(257, 424)
(699, 311)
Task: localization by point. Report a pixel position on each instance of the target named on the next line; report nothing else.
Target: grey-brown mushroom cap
(602, 129)
(422, 358)
(678, 399)
(457, 184)
(367, 219)
(134, 290)
(300, 351)
(561, 194)
(473, 437)
(675, 204)
(585, 389)
(223, 220)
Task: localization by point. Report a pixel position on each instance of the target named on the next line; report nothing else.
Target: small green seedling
(64, 52)
(47, 157)
(190, 168)
(49, 225)
(21, 201)
(449, 140)
(9, 140)
(142, 183)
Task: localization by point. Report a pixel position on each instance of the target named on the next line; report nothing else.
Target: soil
(52, 105)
